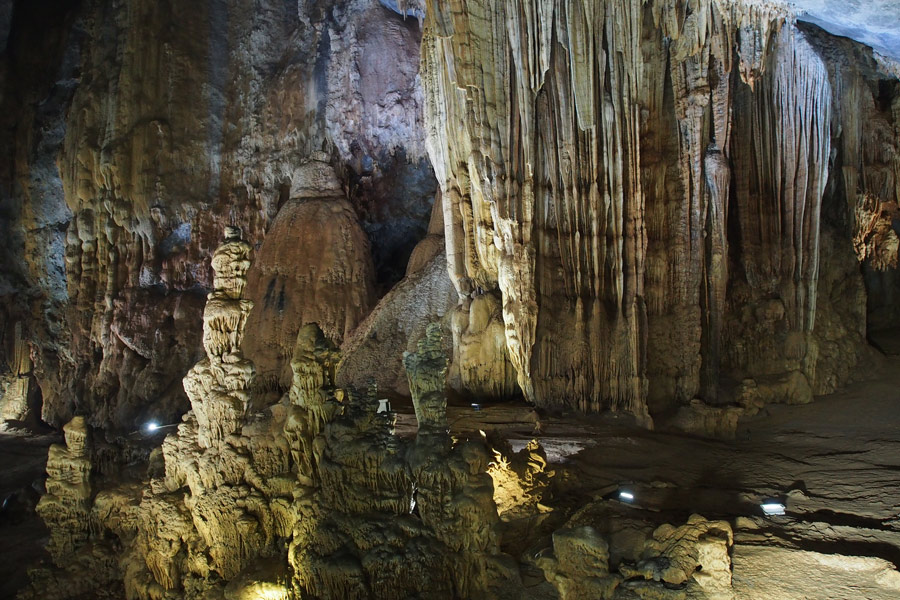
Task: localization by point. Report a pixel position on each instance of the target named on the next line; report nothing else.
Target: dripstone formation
(314, 496)
(640, 187)
(218, 385)
(314, 492)
(598, 216)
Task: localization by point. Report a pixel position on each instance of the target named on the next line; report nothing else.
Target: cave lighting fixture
(476, 406)
(151, 426)
(626, 496)
(772, 508)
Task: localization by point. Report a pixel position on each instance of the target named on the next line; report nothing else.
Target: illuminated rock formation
(387, 521)
(17, 384)
(68, 511)
(313, 495)
(579, 566)
(690, 561)
(218, 386)
(679, 211)
(520, 478)
(66, 506)
(480, 358)
(648, 217)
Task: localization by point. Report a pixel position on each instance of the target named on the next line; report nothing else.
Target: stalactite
(591, 187)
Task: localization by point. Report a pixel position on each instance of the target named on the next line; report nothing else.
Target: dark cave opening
(393, 197)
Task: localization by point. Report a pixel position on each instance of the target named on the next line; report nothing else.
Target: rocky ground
(835, 464)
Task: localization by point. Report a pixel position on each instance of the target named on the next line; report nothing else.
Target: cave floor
(835, 464)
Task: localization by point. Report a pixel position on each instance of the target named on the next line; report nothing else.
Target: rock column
(218, 385)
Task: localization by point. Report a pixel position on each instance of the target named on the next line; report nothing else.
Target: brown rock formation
(656, 207)
(373, 353)
(314, 266)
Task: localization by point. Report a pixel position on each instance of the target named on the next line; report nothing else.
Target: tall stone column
(218, 386)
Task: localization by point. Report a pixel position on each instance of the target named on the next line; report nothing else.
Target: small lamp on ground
(772, 508)
(626, 496)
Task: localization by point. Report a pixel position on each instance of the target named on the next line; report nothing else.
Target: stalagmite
(66, 506)
(314, 266)
(218, 385)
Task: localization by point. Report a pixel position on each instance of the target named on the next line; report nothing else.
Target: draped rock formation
(17, 385)
(314, 266)
(641, 185)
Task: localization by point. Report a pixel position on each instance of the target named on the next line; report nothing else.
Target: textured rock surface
(374, 351)
(17, 383)
(313, 495)
(762, 574)
(649, 217)
(65, 507)
(139, 130)
(650, 223)
(683, 210)
(689, 561)
(219, 385)
(314, 266)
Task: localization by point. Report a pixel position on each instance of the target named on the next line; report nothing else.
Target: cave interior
(532, 299)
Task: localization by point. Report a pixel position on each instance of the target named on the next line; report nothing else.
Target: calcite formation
(312, 496)
(520, 478)
(17, 382)
(677, 563)
(682, 210)
(374, 351)
(65, 508)
(480, 354)
(641, 185)
(616, 221)
(218, 386)
(137, 131)
(314, 266)
(875, 239)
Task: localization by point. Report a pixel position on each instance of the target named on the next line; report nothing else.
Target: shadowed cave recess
(548, 299)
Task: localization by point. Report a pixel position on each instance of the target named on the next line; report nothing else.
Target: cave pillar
(218, 386)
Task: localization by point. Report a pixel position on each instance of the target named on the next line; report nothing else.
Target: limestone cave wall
(641, 185)
(643, 203)
(139, 129)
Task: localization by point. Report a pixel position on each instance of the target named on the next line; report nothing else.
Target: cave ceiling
(874, 23)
